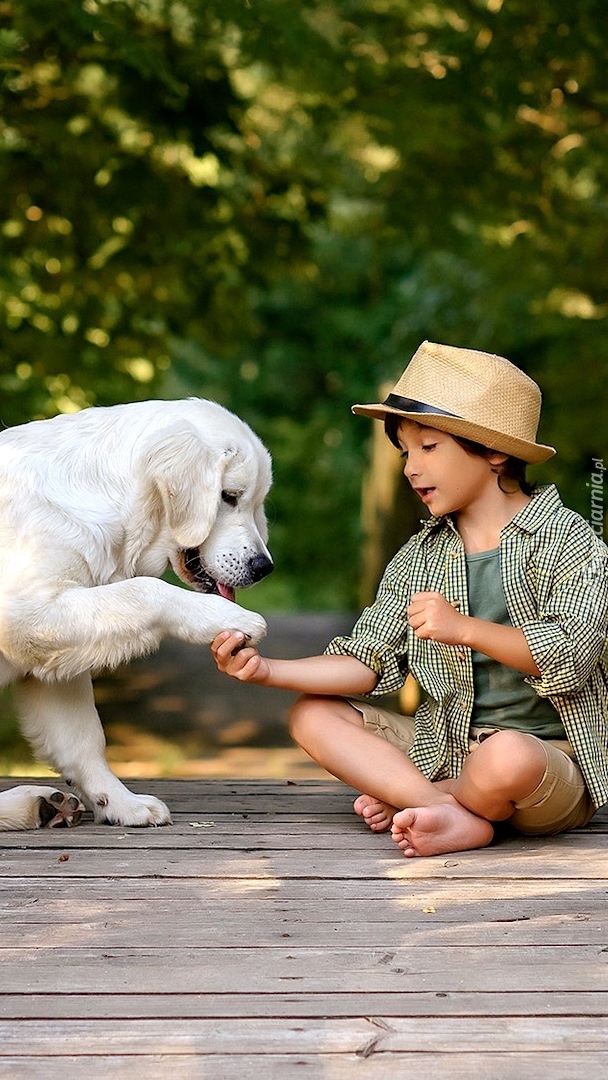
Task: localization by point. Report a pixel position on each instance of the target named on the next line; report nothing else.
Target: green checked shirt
(554, 573)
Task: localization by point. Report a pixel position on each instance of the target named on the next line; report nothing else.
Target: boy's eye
(429, 446)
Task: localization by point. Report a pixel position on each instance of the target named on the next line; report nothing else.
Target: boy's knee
(302, 716)
(513, 757)
(312, 714)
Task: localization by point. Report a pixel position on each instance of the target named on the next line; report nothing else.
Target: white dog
(94, 506)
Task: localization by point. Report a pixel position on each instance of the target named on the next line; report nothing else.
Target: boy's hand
(433, 618)
(234, 657)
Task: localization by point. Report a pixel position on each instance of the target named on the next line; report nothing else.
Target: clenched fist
(433, 618)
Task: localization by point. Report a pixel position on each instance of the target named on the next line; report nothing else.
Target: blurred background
(272, 204)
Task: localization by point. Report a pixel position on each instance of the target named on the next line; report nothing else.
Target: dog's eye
(230, 497)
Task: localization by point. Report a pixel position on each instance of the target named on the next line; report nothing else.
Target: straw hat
(474, 394)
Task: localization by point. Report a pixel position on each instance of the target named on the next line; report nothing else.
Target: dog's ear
(188, 474)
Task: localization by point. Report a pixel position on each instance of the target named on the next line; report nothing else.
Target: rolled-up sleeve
(378, 637)
(569, 637)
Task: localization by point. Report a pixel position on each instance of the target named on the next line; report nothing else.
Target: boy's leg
(558, 802)
(502, 771)
(399, 730)
(331, 731)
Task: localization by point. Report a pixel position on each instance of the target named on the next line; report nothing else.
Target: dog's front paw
(32, 806)
(136, 811)
(249, 623)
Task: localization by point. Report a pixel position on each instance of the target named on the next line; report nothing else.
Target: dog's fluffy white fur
(94, 506)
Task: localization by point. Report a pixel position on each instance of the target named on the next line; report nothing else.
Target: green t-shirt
(503, 699)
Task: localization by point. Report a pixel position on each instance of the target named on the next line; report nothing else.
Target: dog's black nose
(259, 567)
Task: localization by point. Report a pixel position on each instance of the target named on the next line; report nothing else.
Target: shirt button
(453, 554)
(461, 655)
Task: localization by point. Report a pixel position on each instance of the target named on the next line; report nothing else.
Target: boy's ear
(496, 457)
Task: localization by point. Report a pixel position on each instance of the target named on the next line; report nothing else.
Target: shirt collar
(543, 503)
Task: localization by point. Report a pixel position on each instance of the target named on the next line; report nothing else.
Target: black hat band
(410, 405)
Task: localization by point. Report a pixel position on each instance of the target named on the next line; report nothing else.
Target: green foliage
(272, 204)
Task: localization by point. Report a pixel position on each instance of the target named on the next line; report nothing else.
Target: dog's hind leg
(32, 806)
(62, 723)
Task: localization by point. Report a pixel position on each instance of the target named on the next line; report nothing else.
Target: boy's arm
(432, 617)
(326, 674)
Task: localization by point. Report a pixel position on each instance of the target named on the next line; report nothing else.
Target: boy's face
(447, 478)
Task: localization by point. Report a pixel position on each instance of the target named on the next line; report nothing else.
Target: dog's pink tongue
(226, 591)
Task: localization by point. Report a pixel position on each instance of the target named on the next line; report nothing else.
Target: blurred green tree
(271, 204)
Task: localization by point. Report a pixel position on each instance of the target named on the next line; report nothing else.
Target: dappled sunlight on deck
(268, 931)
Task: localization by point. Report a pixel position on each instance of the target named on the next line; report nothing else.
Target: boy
(498, 607)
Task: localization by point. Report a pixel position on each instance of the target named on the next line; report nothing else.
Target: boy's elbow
(567, 662)
(566, 677)
(370, 681)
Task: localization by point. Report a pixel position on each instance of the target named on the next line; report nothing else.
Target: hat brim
(531, 452)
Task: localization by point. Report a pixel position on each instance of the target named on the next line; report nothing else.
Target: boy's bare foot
(375, 813)
(439, 829)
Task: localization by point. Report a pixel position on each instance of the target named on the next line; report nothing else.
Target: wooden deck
(268, 934)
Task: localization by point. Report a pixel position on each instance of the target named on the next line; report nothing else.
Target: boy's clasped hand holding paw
(233, 656)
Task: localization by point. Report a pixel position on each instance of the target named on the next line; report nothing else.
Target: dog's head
(213, 474)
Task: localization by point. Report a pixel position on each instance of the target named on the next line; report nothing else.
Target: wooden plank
(438, 906)
(208, 834)
(294, 1004)
(561, 857)
(361, 1036)
(481, 896)
(120, 923)
(384, 936)
(446, 905)
(560, 1065)
(233, 832)
(201, 969)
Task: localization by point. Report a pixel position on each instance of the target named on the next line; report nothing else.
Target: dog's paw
(136, 811)
(32, 806)
(59, 811)
(249, 623)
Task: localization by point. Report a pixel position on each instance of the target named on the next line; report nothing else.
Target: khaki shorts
(561, 800)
